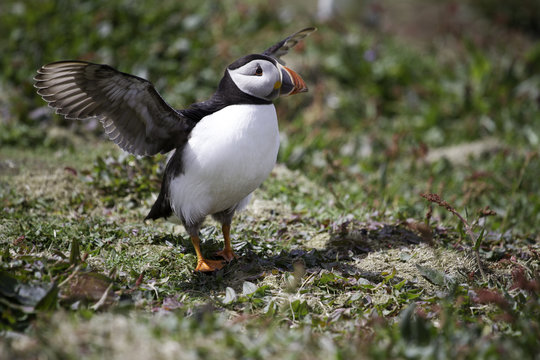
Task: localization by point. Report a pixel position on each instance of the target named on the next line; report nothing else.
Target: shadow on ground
(337, 256)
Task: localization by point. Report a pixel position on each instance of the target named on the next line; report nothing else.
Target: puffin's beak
(291, 82)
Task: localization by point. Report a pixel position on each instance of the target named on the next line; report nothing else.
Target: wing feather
(281, 48)
(130, 109)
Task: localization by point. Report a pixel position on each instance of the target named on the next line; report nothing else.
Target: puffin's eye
(258, 71)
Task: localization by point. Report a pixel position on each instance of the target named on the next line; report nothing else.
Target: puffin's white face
(259, 77)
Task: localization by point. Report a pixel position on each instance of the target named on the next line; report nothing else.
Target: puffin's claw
(205, 265)
(227, 254)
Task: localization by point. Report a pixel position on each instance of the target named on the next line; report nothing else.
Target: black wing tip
(55, 65)
(61, 63)
(288, 43)
(309, 30)
(68, 61)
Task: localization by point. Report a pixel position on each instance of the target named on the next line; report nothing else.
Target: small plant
(476, 240)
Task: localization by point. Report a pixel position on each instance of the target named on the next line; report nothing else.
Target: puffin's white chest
(228, 155)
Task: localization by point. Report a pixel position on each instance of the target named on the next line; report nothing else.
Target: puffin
(221, 149)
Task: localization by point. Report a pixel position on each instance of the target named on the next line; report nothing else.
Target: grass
(93, 268)
(341, 256)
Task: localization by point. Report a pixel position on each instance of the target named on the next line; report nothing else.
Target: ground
(128, 288)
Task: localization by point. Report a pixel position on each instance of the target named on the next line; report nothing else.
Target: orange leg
(227, 252)
(203, 264)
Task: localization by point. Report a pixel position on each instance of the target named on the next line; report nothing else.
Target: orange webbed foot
(205, 265)
(227, 254)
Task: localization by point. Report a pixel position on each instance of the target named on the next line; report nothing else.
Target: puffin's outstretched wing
(132, 112)
(281, 48)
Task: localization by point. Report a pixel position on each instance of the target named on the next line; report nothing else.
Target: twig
(75, 272)
(435, 198)
(102, 299)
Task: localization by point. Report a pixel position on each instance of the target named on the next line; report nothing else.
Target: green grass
(341, 256)
(308, 273)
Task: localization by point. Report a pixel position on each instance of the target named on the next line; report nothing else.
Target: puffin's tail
(161, 208)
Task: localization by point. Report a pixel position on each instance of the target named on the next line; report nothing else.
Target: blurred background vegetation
(392, 86)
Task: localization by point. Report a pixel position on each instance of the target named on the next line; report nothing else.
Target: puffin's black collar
(227, 94)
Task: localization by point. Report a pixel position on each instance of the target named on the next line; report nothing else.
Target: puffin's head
(263, 77)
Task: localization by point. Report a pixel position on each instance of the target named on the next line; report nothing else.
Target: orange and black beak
(291, 82)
